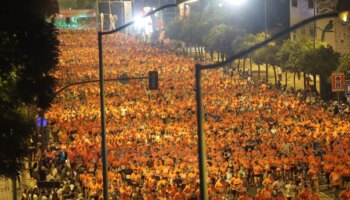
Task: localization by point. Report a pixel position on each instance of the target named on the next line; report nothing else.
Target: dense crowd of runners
(263, 142)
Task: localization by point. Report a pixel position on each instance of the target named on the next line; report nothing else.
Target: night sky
(251, 15)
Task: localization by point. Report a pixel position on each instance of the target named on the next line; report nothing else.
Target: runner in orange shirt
(336, 181)
(243, 195)
(328, 168)
(222, 186)
(236, 183)
(268, 181)
(266, 193)
(306, 193)
(257, 171)
(179, 195)
(345, 194)
(313, 177)
(346, 174)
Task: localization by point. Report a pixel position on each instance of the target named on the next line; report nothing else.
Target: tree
(291, 55)
(77, 4)
(271, 58)
(344, 63)
(28, 55)
(242, 43)
(173, 30)
(218, 38)
(200, 30)
(322, 61)
(258, 56)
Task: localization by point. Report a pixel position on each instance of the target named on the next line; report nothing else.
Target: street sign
(153, 80)
(124, 78)
(40, 123)
(338, 82)
(347, 88)
(48, 184)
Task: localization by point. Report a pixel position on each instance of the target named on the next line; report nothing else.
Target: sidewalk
(6, 185)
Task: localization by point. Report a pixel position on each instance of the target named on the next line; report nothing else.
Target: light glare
(236, 2)
(139, 22)
(344, 16)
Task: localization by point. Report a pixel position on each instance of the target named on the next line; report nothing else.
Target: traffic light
(153, 80)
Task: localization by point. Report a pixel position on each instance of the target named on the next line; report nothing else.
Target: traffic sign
(41, 123)
(347, 88)
(124, 78)
(48, 184)
(153, 80)
(338, 82)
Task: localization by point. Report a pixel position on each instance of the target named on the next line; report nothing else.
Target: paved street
(26, 182)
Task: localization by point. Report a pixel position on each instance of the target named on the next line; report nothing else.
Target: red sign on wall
(338, 82)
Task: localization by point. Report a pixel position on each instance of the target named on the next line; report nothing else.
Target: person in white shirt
(290, 190)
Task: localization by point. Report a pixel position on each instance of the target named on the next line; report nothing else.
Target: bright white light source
(236, 2)
(190, 1)
(139, 22)
(143, 24)
(344, 16)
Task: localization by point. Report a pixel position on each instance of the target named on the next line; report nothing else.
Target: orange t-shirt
(257, 169)
(335, 178)
(345, 195)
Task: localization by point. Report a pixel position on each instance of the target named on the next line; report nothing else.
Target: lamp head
(343, 9)
(185, 1)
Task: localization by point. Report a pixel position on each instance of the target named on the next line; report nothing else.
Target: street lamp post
(102, 94)
(202, 157)
(327, 29)
(199, 68)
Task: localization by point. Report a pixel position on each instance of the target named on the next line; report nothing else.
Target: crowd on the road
(263, 142)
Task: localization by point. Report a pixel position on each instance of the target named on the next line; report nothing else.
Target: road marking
(324, 195)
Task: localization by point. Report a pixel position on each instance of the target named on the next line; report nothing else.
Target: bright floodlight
(143, 24)
(139, 22)
(344, 16)
(236, 2)
(185, 1)
(343, 9)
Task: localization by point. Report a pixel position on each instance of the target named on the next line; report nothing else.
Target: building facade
(331, 30)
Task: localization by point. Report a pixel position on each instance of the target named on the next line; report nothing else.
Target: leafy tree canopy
(321, 61)
(291, 54)
(28, 55)
(344, 63)
(77, 4)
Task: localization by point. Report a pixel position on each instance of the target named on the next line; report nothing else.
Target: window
(294, 3)
(311, 4)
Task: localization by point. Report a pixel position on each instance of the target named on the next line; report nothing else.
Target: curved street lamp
(198, 69)
(327, 29)
(343, 8)
(102, 93)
